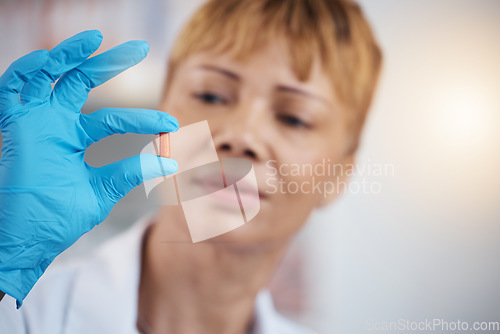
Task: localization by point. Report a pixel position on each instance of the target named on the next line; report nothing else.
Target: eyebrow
(281, 88)
(222, 71)
(302, 92)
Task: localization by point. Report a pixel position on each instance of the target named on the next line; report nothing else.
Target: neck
(206, 287)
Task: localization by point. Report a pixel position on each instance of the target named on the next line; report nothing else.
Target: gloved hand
(49, 196)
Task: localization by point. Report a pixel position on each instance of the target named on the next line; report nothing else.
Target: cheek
(180, 104)
(309, 178)
(178, 108)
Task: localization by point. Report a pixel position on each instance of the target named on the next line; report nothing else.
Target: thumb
(118, 178)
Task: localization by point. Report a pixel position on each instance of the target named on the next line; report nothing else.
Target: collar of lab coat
(106, 290)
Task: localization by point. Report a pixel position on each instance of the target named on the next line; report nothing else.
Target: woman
(287, 82)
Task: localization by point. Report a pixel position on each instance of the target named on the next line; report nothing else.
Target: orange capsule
(165, 144)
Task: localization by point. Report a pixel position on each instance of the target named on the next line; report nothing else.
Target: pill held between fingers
(165, 144)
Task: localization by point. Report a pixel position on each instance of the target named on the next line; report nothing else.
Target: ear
(340, 179)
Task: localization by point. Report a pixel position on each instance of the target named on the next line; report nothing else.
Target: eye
(292, 121)
(210, 98)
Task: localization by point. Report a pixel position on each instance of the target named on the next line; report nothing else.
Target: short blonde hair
(333, 30)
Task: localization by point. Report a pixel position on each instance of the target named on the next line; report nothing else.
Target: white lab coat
(100, 296)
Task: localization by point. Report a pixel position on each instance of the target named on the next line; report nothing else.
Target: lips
(214, 182)
(211, 183)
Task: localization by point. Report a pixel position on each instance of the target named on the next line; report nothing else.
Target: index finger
(108, 121)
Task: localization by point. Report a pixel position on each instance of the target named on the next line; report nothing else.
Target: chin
(256, 234)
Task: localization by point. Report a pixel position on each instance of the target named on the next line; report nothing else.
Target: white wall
(427, 245)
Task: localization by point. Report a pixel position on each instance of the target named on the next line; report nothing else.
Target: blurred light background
(427, 245)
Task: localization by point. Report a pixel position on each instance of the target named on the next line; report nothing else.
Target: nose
(241, 134)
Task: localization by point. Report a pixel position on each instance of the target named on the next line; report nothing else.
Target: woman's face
(258, 109)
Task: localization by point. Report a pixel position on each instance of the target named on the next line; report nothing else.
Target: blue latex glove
(49, 196)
